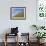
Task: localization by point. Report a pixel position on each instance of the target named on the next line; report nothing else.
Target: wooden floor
(13, 44)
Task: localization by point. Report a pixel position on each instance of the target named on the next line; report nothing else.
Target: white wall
(24, 25)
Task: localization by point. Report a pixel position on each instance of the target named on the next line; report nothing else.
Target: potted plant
(39, 35)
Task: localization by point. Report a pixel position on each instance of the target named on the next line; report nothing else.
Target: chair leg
(5, 40)
(17, 39)
(5, 43)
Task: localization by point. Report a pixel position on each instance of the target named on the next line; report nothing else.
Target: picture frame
(41, 12)
(41, 8)
(18, 13)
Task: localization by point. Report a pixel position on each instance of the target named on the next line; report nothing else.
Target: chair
(14, 32)
(26, 37)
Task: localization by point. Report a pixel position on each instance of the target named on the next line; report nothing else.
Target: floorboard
(13, 44)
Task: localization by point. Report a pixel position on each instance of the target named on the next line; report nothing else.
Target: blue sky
(17, 10)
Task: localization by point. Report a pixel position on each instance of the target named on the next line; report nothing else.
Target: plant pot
(38, 40)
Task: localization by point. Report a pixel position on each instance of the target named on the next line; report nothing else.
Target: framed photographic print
(41, 12)
(18, 13)
(41, 8)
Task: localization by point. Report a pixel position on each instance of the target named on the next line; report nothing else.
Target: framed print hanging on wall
(41, 12)
(41, 8)
(18, 13)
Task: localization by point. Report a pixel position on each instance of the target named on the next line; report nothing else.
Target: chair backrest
(14, 30)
